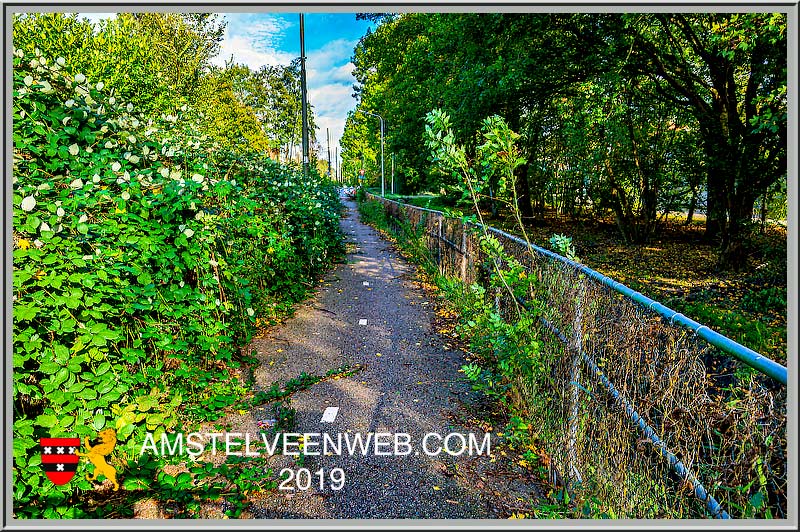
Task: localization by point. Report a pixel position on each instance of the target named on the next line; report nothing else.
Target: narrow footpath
(369, 311)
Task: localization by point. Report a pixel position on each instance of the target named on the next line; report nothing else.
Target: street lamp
(383, 182)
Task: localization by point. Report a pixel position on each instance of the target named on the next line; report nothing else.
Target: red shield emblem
(60, 458)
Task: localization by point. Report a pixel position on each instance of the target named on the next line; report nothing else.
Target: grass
(679, 269)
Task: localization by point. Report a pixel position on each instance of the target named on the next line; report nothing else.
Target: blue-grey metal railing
(749, 357)
(753, 359)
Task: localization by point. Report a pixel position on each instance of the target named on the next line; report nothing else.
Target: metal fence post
(573, 474)
(464, 252)
(439, 246)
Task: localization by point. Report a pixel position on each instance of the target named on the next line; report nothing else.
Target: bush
(143, 257)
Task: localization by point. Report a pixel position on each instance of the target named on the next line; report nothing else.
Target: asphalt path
(369, 311)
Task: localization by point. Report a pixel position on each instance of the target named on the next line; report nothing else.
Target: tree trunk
(734, 243)
(692, 206)
(523, 193)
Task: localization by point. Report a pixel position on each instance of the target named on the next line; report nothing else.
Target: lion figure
(96, 454)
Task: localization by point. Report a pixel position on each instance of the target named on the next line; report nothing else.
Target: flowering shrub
(143, 257)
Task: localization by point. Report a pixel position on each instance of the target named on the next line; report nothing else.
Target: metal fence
(646, 412)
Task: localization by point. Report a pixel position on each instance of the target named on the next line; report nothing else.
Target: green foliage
(563, 245)
(144, 255)
(628, 115)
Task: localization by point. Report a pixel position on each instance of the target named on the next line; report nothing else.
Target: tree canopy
(633, 115)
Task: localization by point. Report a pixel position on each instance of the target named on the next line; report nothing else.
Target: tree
(730, 70)
(184, 44)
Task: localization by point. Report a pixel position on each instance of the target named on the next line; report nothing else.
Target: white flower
(43, 186)
(76, 184)
(80, 78)
(188, 232)
(250, 312)
(129, 107)
(181, 284)
(38, 243)
(46, 87)
(146, 150)
(112, 100)
(60, 212)
(134, 159)
(89, 149)
(197, 178)
(126, 195)
(213, 263)
(100, 85)
(199, 215)
(131, 139)
(217, 302)
(44, 227)
(61, 61)
(73, 149)
(96, 178)
(109, 144)
(164, 171)
(28, 203)
(116, 166)
(83, 219)
(28, 80)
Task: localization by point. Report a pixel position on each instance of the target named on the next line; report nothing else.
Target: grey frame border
(332, 6)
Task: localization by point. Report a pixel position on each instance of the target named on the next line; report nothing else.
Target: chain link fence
(646, 412)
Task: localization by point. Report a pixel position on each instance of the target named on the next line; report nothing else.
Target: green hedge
(143, 258)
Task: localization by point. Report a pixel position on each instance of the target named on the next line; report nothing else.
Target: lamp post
(383, 182)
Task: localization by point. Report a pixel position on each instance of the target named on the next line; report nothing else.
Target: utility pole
(328, 130)
(336, 160)
(304, 104)
(392, 172)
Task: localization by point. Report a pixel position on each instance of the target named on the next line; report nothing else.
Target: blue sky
(257, 39)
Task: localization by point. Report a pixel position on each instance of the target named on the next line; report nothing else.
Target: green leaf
(46, 420)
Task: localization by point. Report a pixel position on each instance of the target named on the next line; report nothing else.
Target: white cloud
(252, 39)
(253, 42)
(245, 51)
(330, 87)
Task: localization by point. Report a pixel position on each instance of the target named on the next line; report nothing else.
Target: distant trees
(161, 62)
(634, 114)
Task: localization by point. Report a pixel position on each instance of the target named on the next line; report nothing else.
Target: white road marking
(366, 283)
(362, 321)
(329, 415)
